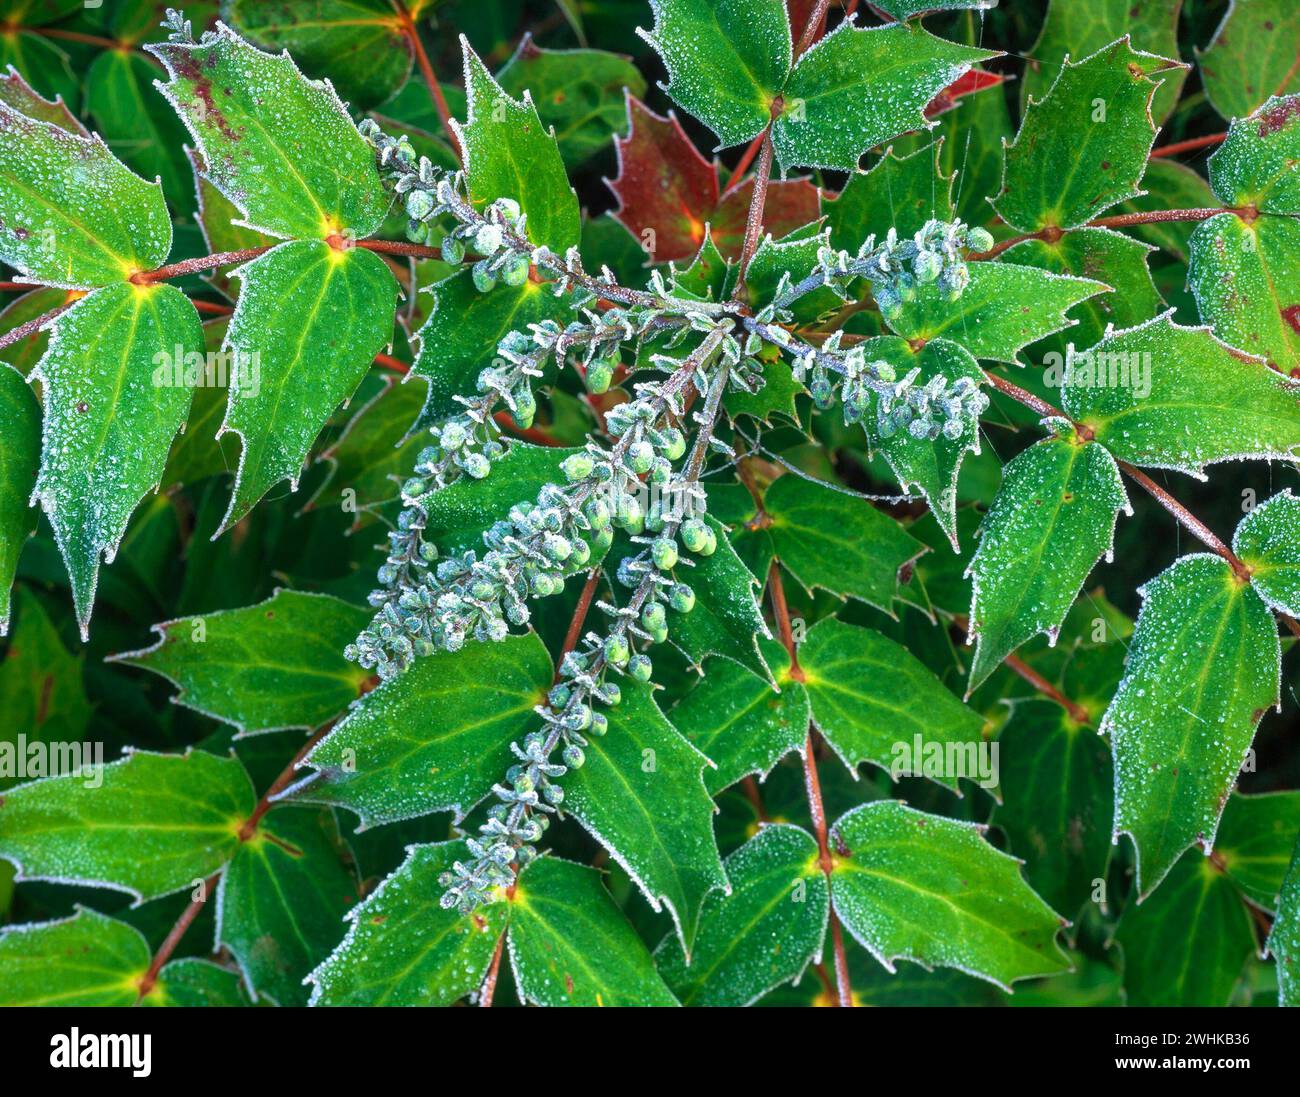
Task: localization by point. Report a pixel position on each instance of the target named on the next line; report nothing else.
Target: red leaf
(667, 192)
(967, 83)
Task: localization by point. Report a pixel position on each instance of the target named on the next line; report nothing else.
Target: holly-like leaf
(1078, 30)
(86, 960)
(403, 949)
(931, 465)
(1003, 309)
(15, 92)
(1167, 396)
(579, 93)
(1106, 145)
(20, 426)
(874, 701)
(1268, 541)
(1284, 940)
(1051, 520)
(509, 154)
(1252, 56)
(1203, 667)
(570, 945)
(148, 825)
(41, 690)
(1247, 285)
(920, 887)
(641, 795)
(764, 933)
(309, 322)
(905, 9)
(898, 192)
(736, 719)
(130, 115)
(797, 257)
(1255, 841)
(461, 335)
(1104, 256)
(1187, 944)
(279, 146)
(1259, 163)
(112, 408)
(191, 982)
(1056, 781)
(71, 213)
(669, 195)
(855, 89)
(359, 45)
(269, 667)
(727, 60)
(435, 738)
(726, 620)
(282, 898)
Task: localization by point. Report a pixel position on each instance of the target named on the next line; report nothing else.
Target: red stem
(412, 33)
(13, 335)
(1188, 146)
(1119, 221)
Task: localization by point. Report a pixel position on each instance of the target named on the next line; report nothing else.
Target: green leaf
(901, 192)
(874, 701)
(905, 9)
(1105, 256)
(1167, 396)
(1203, 668)
(1252, 56)
(1268, 542)
(25, 353)
(1247, 285)
(72, 214)
(403, 949)
(726, 620)
(776, 397)
(579, 93)
(461, 335)
(86, 960)
(269, 667)
(1284, 940)
(834, 540)
(571, 946)
(134, 120)
(641, 795)
(279, 146)
(111, 412)
(192, 982)
(218, 220)
(282, 898)
(740, 723)
(920, 887)
(1097, 120)
(1259, 163)
(509, 154)
(1056, 782)
(41, 692)
(1072, 29)
(197, 453)
(1187, 944)
(309, 322)
(435, 738)
(15, 92)
(1051, 520)
(358, 45)
(764, 933)
(857, 88)
(1169, 185)
(1255, 841)
(1003, 309)
(932, 466)
(149, 824)
(726, 60)
(20, 426)
(797, 256)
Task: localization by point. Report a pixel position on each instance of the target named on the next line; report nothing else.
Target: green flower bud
(516, 271)
(681, 598)
(695, 534)
(577, 467)
(573, 756)
(419, 204)
(978, 239)
(453, 250)
(617, 651)
(640, 456)
(653, 617)
(672, 443)
(483, 279)
(599, 724)
(600, 373)
(640, 667)
(664, 553)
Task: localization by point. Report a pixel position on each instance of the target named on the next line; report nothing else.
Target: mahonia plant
(681, 538)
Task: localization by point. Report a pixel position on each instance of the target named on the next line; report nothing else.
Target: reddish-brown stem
(1020, 396)
(211, 308)
(16, 287)
(78, 36)
(193, 266)
(412, 33)
(579, 618)
(1190, 145)
(1077, 712)
(174, 936)
(745, 160)
(1118, 221)
(813, 28)
(754, 219)
(22, 331)
(395, 364)
(781, 611)
(490, 983)
(282, 782)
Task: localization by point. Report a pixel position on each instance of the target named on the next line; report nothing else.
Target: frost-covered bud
(653, 617)
(927, 266)
(573, 756)
(661, 471)
(419, 205)
(640, 667)
(889, 302)
(599, 724)
(640, 456)
(630, 516)
(600, 373)
(553, 794)
(617, 651)
(978, 239)
(525, 406)
(581, 553)
(577, 467)
(672, 443)
(476, 465)
(681, 598)
(822, 392)
(613, 693)
(483, 278)
(559, 696)
(522, 783)
(488, 239)
(664, 553)
(597, 513)
(602, 539)
(556, 547)
(453, 435)
(516, 271)
(953, 281)
(453, 250)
